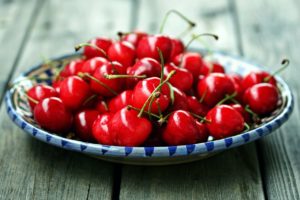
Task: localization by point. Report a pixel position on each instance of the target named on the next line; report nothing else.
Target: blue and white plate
(19, 112)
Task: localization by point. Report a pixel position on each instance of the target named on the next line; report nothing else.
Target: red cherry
(242, 111)
(182, 79)
(214, 87)
(122, 52)
(83, 124)
(196, 107)
(149, 45)
(180, 100)
(73, 92)
(202, 135)
(237, 83)
(40, 92)
(72, 68)
(92, 64)
(262, 98)
(101, 106)
(128, 129)
(213, 67)
(111, 85)
(102, 43)
(144, 89)
(134, 37)
(177, 47)
(120, 101)
(145, 66)
(257, 77)
(181, 129)
(52, 115)
(224, 121)
(101, 129)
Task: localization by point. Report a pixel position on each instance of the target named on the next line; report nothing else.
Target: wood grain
(270, 31)
(231, 175)
(31, 169)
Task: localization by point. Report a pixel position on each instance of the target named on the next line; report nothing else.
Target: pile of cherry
(148, 90)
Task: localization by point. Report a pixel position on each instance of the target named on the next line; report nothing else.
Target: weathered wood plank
(270, 31)
(31, 169)
(231, 175)
(15, 19)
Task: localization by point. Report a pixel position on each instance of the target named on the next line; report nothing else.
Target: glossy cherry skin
(52, 115)
(101, 106)
(122, 52)
(115, 84)
(73, 92)
(101, 130)
(143, 90)
(237, 83)
(144, 66)
(211, 67)
(84, 121)
(224, 121)
(177, 48)
(262, 98)
(122, 100)
(92, 64)
(257, 77)
(134, 38)
(128, 129)
(214, 87)
(40, 92)
(180, 100)
(196, 107)
(191, 61)
(148, 46)
(72, 68)
(203, 134)
(242, 111)
(182, 79)
(181, 129)
(101, 42)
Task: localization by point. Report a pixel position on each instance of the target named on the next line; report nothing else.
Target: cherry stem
(27, 96)
(162, 63)
(203, 96)
(80, 74)
(246, 126)
(285, 62)
(248, 110)
(114, 76)
(156, 90)
(203, 119)
(89, 99)
(137, 109)
(191, 24)
(226, 98)
(194, 37)
(79, 46)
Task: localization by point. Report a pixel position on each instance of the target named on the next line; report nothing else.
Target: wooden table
(265, 31)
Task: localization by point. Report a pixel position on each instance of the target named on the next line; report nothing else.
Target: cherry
(92, 64)
(38, 93)
(181, 129)
(144, 66)
(143, 91)
(262, 98)
(73, 92)
(83, 124)
(238, 107)
(149, 45)
(52, 115)
(177, 48)
(196, 107)
(203, 134)
(72, 68)
(183, 79)
(120, 101)
(180, 100)
(133, 37)
(224, 121)
(214, 87)
(212, 67)
(254, 78)
(237, 83)
(128, 129)
(101, 106)
(101, 130)
(101, 42)
(123, 52)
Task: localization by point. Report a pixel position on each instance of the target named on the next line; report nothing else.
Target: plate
(19, 112)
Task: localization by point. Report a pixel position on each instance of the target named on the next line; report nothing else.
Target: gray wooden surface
(265, 31)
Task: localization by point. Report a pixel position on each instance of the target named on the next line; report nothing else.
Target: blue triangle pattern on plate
(190, 148)
(172, 150)
(269, 127)
(149, 151)
(260, 131)
(209, 146)
(48, 138)
(14, 117)
(228, 142)
(246, 137)
(23, 125)
(128, 150)
(8, 110)
(83, 147)
(34, 132)
(105, 149)
(64, 143)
